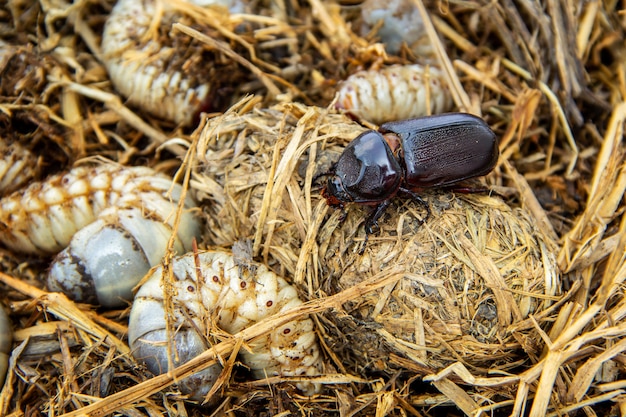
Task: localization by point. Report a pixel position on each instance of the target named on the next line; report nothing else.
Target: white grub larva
(394, 93)
(107, 258)
(6, 338)
(116, 220)
(18, 166)
(217, 290)
(42, 218)
(397, 22)
(150, 71)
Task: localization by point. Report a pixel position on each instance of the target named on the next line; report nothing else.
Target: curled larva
(394, 93)
(18, 166)
(396, 22)
(217, 290)
(6, 337)
(42, 218)
(107, 258)
(153, 72)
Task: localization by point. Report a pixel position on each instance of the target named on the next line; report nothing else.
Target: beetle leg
(371, 224)
(420, 201)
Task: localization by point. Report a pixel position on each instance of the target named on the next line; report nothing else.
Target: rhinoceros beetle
(404, 157)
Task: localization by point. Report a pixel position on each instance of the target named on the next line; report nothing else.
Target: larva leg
(18, 166)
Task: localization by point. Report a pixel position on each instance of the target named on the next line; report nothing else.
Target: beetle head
(367, 172)
(334, 192)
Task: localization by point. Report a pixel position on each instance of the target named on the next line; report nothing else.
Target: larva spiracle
(18, 166)
(394, 93)
(219, 291)
(6, 338)
(148, 71)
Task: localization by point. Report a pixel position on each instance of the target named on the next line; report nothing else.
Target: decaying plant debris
(548, 77)
(466, 281)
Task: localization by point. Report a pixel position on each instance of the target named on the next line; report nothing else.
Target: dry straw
(512, 307)
(468, 280)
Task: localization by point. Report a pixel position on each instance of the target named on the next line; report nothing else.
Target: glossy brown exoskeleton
(404, 157)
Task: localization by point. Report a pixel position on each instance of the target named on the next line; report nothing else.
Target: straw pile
(464, 281)
(462, 286)
(509, 305)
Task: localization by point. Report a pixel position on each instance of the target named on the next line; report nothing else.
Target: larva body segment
(152, 72)
(18, 165)
(42, 218)
(6, 338)
(107, 258)
(394, 93)
(233, 298)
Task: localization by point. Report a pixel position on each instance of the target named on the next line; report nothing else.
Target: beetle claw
(372, 228)
(362, 249)
(371, 224)
(343, 214)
